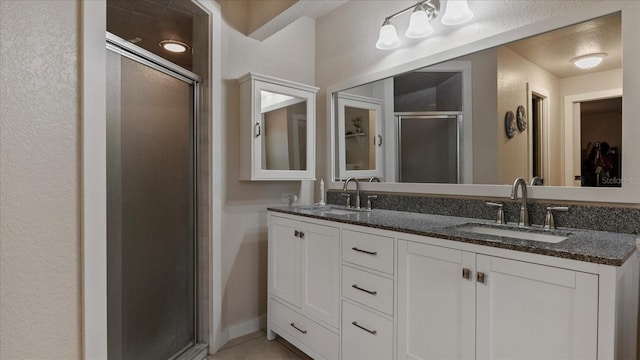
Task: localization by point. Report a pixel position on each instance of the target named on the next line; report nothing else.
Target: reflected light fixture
(456, 12)
(174, 46)
(589, 61)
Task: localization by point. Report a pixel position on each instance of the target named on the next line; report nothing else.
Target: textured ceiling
(309, 8)
(554, 50)
(153, 21)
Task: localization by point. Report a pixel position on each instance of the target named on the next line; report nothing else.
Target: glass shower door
(150, 216)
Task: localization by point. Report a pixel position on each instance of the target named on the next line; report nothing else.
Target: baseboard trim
(244, 328)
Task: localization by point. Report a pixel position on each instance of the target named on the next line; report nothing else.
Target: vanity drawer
(319, 339)
(365, 335)
(368, 250)
(368, 289)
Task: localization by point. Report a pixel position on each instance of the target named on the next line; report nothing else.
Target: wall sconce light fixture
(456, 12)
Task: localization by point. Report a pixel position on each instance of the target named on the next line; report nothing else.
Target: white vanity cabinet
(558, 306)
(436, 303)
(304, 285)
(344, 291)
(277, 129)
(368, 295)
(462, 305)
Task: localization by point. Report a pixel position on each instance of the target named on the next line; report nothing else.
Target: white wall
(40, 253)
(288, 54)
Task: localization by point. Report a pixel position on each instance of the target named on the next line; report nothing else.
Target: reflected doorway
(601, 142)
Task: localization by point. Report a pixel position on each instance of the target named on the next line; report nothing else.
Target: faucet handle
(369, 197)
(347, 197)
(500, 216)
(549, 222)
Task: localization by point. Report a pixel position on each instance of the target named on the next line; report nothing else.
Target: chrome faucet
(346, 184)
(524, 213)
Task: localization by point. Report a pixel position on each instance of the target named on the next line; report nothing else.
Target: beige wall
(248, 16)
(599, 81)
(514, 72)
(260, 12)
(484, 89)
(40, 292)
(288, 54)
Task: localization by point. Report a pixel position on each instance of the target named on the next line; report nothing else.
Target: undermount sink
(524, 234)
(329, 210)
(333, 211)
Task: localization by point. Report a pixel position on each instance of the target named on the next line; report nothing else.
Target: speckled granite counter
(583, 245)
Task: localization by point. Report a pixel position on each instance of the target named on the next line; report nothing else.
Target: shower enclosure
(151, 215)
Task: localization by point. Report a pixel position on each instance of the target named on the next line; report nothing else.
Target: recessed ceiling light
(174, 46)
(588, 61)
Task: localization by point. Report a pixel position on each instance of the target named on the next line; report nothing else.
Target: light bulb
(587, 62)
(456, 13)
(419, 25)
(174, 46)
(388, 38)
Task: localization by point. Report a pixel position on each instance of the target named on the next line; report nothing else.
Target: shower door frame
(144, 57)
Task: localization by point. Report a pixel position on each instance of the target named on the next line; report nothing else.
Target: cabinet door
(530, 311)
(284, 260)
(436, 304)
(321, 272)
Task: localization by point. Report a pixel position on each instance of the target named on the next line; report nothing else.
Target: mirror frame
(629, 193)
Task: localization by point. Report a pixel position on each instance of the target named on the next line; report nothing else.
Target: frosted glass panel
(150, 216)
(428, 149)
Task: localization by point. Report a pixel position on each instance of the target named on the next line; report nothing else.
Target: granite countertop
(599, 247)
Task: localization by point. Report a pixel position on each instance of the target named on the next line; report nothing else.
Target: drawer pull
(372, 332)
(293, 325)
(364, 251)
(365, 290)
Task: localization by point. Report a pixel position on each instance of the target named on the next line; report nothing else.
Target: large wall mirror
(520, 109)
(574, 142)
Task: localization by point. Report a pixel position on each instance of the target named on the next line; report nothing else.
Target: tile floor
(256, 347)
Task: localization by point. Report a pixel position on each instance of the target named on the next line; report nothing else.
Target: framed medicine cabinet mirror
(520, 107)
(277, 129)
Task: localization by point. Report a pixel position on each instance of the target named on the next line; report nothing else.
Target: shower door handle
(379, 140)
(257, 129)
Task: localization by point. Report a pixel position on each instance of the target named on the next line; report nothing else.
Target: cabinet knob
(466, 273)
(480, 276)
